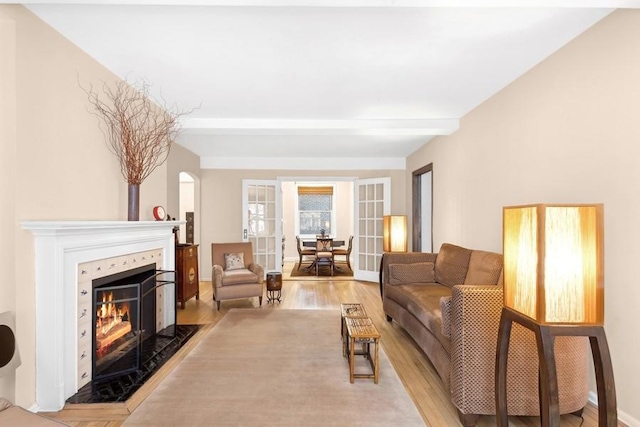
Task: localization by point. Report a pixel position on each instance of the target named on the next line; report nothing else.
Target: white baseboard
(622, 416)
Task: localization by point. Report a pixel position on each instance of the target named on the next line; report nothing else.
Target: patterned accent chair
(235, 274)
(450, 303)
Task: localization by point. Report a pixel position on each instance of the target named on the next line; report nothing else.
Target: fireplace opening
(124, 316)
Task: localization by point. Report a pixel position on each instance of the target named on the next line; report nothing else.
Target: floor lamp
(394, 237)
(394, 233)
(553, 285)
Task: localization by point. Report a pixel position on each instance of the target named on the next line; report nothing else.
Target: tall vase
(133, 213)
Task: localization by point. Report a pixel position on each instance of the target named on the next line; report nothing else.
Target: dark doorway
(422, 209)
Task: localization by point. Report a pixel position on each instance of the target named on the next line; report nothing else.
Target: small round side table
(274, 287)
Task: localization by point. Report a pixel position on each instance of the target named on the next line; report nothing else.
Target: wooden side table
(362, 330)
(188, 281)
(274, 287)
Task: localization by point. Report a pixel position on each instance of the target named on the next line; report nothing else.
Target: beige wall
(567, 131)
(50, 141)
(222, 202)
(8, 147)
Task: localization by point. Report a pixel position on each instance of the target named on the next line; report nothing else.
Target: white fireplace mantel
(60, 246)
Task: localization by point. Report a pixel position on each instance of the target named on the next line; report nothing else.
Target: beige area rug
(275, 368)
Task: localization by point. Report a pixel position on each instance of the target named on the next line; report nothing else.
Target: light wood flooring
(416, 372)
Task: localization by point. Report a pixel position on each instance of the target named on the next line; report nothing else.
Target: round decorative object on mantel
(159, 213)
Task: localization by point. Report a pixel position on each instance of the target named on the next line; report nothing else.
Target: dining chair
(305, 252)
(345, 252)
(324, 253)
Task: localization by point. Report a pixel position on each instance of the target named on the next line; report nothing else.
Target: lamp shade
(394, 233)
(553, 263)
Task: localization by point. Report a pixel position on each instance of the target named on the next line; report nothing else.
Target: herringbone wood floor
(419, 377)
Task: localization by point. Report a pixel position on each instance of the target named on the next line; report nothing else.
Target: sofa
(12, 415)
(450, 304)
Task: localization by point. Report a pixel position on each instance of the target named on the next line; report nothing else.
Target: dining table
(312, 243)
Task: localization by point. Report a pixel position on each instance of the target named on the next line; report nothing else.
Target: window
(315, 210)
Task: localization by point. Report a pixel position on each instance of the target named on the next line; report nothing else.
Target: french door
(372, 200)
(261, 221)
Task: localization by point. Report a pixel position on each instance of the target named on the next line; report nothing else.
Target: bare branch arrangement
(139, 130)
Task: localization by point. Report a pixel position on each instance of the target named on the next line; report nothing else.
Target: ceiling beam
(629, 4)
(404, 127)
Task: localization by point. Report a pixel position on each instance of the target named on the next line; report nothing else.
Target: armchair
(235, 274)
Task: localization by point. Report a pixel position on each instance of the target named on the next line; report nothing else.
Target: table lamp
(553, 285)
(394, 233)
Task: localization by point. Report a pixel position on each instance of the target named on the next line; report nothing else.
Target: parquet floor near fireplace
(416, 372)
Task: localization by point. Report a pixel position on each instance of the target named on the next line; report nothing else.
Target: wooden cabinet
(188, 282)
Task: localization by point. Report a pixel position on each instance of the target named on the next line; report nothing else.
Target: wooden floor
(417, 374)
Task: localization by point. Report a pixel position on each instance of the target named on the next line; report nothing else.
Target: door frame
(416, 201)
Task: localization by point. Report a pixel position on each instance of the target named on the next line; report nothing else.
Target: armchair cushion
(234, 261)
(237, 276)
(419, 272)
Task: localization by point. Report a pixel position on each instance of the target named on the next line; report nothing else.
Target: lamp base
(545, 335)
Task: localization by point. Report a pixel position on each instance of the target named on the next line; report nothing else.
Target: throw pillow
(418, 272)
(234, 261)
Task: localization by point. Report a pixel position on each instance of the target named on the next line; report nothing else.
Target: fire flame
(109, 315)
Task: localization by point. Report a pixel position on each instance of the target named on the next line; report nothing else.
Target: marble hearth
(67, 254)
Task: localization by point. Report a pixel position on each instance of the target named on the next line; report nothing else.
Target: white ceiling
(295, 81)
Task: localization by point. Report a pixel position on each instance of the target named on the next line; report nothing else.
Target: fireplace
(69, 256)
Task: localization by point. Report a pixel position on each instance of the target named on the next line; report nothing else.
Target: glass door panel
(373, 197)
(262, 209)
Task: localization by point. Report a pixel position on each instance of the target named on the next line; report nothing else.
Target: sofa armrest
(475, 318)
(258, 270)
(445, 308)
(216, 275)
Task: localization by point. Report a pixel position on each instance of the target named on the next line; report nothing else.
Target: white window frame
(333, 207)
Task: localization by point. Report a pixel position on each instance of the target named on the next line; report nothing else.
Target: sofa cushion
(451, 264)
(418, 272)
(484, 268)
(423, 302)
(234, 277)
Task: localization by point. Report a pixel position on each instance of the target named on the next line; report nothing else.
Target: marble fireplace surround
(60, 247)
